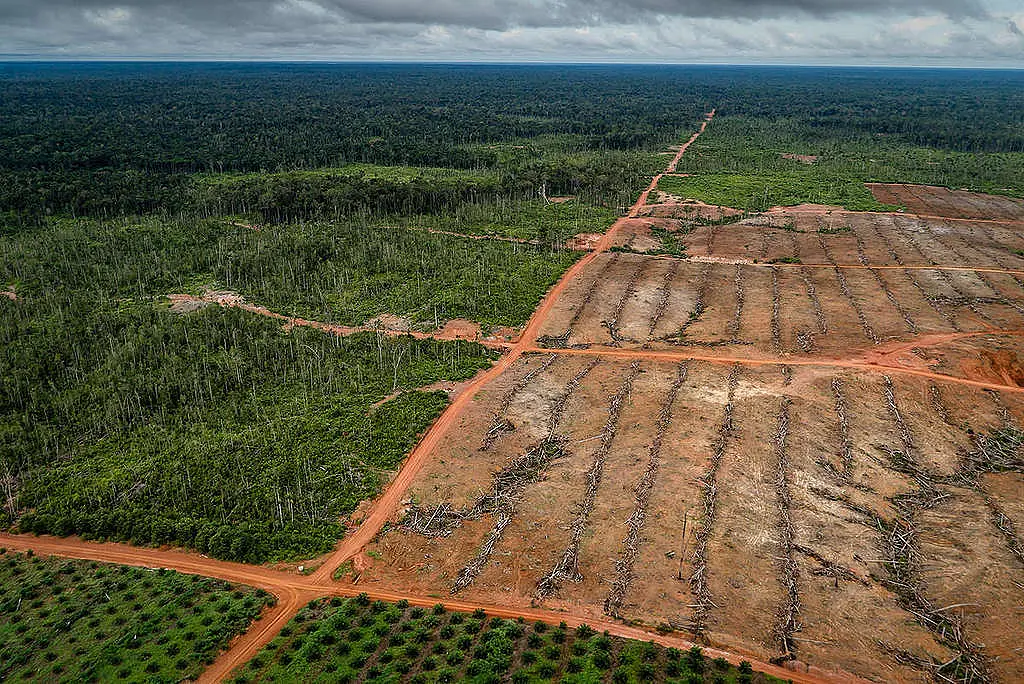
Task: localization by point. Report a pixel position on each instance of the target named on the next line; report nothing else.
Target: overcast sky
(904, 32)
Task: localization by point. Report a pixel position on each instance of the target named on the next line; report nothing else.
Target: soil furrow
(626, 561)
(566, 569)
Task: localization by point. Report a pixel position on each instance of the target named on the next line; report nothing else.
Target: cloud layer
(953, 32)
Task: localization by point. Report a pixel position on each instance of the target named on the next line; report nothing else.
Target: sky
(965, 33)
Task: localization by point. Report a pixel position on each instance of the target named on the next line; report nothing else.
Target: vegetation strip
(862, 257)
(776, 323)
(845, 288)
(511, 481)
(962, 298)
(843, 474)
(709, 482)
(500, 424)
(664, 291)
(904, 561)
(737, 318)
(698, 308)
(566, 569)
(626, 561)
(612, 323)
(788, 621)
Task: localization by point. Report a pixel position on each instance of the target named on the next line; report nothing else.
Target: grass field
(548, 223)
(347, 640)
(79, 621)
(761, 192)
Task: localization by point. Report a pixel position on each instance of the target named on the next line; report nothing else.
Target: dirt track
(234, 301)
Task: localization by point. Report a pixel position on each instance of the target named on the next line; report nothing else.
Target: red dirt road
(389, 500)
(231, 300)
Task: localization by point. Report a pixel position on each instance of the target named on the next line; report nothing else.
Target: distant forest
(106, 139)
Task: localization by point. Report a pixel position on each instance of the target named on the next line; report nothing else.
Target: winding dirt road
(231, 300)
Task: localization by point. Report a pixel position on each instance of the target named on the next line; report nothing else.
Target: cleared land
(801, 444)
(813, 461)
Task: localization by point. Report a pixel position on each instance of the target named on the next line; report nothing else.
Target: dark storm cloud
(599, 30)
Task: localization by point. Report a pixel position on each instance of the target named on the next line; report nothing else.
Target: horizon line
(51, 59)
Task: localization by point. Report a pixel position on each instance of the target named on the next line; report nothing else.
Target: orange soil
(388, 501)
(583, 242)
(455, 329)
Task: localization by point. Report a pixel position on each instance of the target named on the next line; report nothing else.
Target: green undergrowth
(761, 192)
(754, 146)
(215, 429)
(350, 272)
(545, 222)
(81, 621)
(337, 192)
(349, 640)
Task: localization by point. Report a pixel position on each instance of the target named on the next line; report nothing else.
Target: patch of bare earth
(931, 200)
(802, 158)
(583, 242)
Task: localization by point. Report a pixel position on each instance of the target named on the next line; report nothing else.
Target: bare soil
(867, 359)
(937, 201)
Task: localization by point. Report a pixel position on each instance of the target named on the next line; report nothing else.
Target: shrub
(695, 656)
(546, 669)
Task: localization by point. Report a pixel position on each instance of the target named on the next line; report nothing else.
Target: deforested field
(801, 443)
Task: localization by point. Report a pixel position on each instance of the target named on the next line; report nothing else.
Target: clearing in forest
(787, 444)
